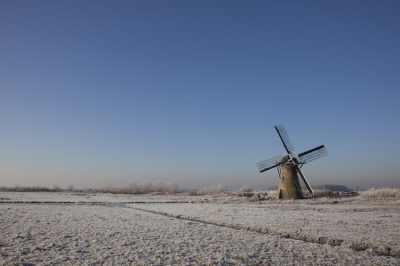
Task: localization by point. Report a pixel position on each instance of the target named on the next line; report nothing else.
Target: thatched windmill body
(291, 186)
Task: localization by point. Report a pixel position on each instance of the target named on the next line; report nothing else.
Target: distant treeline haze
(172, 188)
(131, 188)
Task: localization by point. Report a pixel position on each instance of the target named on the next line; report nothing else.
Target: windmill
(289, 168)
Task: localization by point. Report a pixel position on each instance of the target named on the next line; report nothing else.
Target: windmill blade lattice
(304, 189)
(285, 138)
(305, 186)
(271, 163)
(311, 155)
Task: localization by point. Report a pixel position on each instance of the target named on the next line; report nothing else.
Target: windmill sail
(313, 154)
(272, 163)
(303, 182)
(284, 138)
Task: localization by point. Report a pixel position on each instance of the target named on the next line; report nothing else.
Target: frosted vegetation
(220, 189)
(211, 190)
(246, 189)
(143, 188)
(193, 191)
(131, 188)
(381, 193)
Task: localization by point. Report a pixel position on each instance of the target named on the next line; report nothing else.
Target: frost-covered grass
(65, 234)
(381, 193)
(350, 224)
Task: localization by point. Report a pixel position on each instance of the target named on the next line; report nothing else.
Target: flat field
(104, 229)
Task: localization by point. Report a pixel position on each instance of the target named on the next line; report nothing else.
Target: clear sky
(94, 92)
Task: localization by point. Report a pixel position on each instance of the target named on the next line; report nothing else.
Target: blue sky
(94, 92)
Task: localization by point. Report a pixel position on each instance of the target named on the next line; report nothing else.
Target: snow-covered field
(93, 229)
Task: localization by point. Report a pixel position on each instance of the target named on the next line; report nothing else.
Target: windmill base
(289, 187)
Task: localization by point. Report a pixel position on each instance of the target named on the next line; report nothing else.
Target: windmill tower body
(289, 187)
(293, 183)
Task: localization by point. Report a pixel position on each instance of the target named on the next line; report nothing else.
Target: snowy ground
(83, 234)
(348, 224)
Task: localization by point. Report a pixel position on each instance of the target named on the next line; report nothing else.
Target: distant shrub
(18, 188)
(171, 187)
(207, 190)
(210, 190)
(109, 188)
(144, 188)
(158, 186)
(193, 191)
(219, 189)
(381, 193)
(246, 189)
(132, 188)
